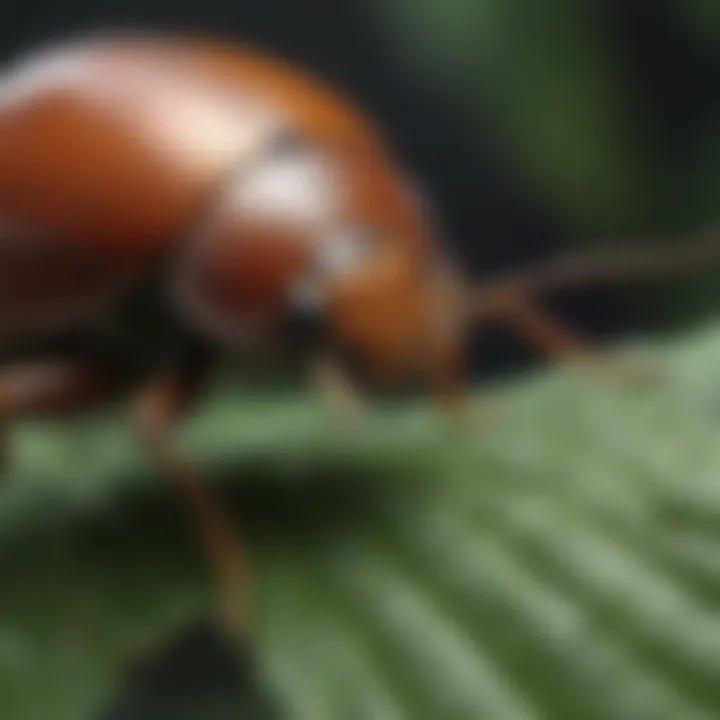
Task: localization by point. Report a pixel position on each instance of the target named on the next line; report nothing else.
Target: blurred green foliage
(702, 18)
(550, 76)
(543, 73)
(561, 563)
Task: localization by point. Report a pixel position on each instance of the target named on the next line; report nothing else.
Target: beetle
(166, 201)
(170, 200)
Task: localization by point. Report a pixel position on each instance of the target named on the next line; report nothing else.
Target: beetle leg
(549, 335)
(451, 387)
(557, 341)
(160, 405)
(337, 389)
(58, 387)
(61, 386)
(55, 387)
(446, 348)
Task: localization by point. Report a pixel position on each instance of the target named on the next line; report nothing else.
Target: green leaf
(547, 77)
(562, 562)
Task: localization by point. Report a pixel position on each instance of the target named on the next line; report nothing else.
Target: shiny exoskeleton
(239, 196)
(166, 201)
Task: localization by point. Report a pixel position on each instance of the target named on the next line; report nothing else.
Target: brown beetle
(168, 200)
(234, 200)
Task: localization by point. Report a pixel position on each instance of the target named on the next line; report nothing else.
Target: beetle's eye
(343, 252)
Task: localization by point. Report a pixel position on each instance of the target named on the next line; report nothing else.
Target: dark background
(495, 216)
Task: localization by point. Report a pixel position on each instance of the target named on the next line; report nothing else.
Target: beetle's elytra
(261, 193)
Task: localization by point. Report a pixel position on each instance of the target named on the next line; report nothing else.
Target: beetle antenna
(652, 261)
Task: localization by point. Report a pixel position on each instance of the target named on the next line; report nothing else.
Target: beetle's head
(391, 313)
(378, 288)
(330, 248)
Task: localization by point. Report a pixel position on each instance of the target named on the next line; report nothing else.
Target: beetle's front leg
(558, 342)
(65, 386)
(161, 403)
(336, 389)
